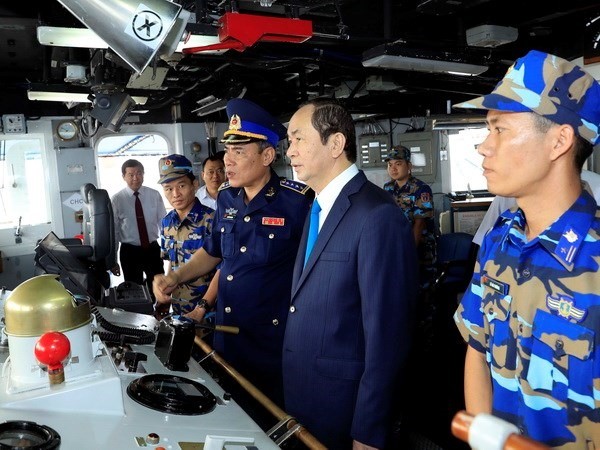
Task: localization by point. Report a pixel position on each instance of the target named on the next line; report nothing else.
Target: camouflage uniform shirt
(533, 308)
(416, 200)
(179, 240)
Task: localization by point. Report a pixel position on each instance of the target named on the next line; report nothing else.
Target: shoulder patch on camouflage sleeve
(301, 188)
(224, 186)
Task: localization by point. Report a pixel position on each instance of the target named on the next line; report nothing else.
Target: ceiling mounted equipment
(240, 31)
(148, 30)
(395, 56)
(491, 36)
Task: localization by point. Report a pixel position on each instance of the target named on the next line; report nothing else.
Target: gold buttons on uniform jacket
(229, 277)
(243, 249)
(292, 309)
(228, 309)
(247, 219)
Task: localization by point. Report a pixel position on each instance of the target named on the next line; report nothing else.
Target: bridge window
(23, 183)
(466, 173)
(113, 151)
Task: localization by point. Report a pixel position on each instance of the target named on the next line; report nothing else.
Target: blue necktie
(313, 228)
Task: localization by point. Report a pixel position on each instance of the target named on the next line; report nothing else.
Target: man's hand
(360, 446)
(197, 314)
(161, 310)
(163, 285)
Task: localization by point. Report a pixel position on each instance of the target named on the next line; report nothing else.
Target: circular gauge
(67, 130)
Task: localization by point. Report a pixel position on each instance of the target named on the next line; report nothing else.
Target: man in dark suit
(349, 323)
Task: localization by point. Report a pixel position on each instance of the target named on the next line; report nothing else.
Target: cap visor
(237, 139)
(172, 176)
(476, 103)
(498, 102)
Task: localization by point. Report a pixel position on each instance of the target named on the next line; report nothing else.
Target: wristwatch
(202, 303)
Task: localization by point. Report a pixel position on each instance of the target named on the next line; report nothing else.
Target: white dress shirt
(205, 198)
(329, 194)
(123, 204)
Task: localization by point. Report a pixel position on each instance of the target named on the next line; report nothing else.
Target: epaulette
(224, 185)
(301, 188)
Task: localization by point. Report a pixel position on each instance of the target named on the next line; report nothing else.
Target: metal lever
(18, 232)
(221, 328)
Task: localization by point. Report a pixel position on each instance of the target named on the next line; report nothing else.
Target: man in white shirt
(138, 256)
(213, 175)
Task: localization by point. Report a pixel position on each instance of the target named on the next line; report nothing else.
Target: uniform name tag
(498, 286)
(275, 221)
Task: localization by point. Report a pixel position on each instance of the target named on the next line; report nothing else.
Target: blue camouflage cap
(249, 122)
(398, 152)
(172, 167)
(551, 87)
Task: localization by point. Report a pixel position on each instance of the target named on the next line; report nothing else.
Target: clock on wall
(13, 123)
(67, 130)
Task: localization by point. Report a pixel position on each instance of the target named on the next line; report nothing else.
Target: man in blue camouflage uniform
(531, 316)
(184, 229)
(416, 200)
(257, 229)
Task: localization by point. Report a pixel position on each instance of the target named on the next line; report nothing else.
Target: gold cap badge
(235, 123)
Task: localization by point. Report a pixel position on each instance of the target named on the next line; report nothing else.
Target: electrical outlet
(13, 123)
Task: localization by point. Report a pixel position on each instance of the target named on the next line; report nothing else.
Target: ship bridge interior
(402, 58)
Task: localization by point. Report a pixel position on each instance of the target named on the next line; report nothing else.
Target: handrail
(301, 433)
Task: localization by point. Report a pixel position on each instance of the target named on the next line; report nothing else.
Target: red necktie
(141, 223)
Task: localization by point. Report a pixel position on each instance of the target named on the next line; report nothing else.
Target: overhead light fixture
(149, 29)
(211, 104)
(397, 57)
(86, 38)
(51, 93)
(458, 123)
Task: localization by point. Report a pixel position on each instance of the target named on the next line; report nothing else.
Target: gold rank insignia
(270, 192)
(235, 123)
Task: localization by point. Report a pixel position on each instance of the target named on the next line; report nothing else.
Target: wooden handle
(461, 424)
(227, 329)
(462, 421)
(517, 442)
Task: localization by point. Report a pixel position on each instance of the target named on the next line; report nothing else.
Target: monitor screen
(54, 257)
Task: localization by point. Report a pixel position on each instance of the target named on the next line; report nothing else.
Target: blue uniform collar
(266, 195)
(196, 214)
(563, 238)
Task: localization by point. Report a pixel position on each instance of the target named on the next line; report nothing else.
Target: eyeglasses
(134, 174)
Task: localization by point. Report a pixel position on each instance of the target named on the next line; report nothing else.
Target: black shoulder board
(301, 188)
